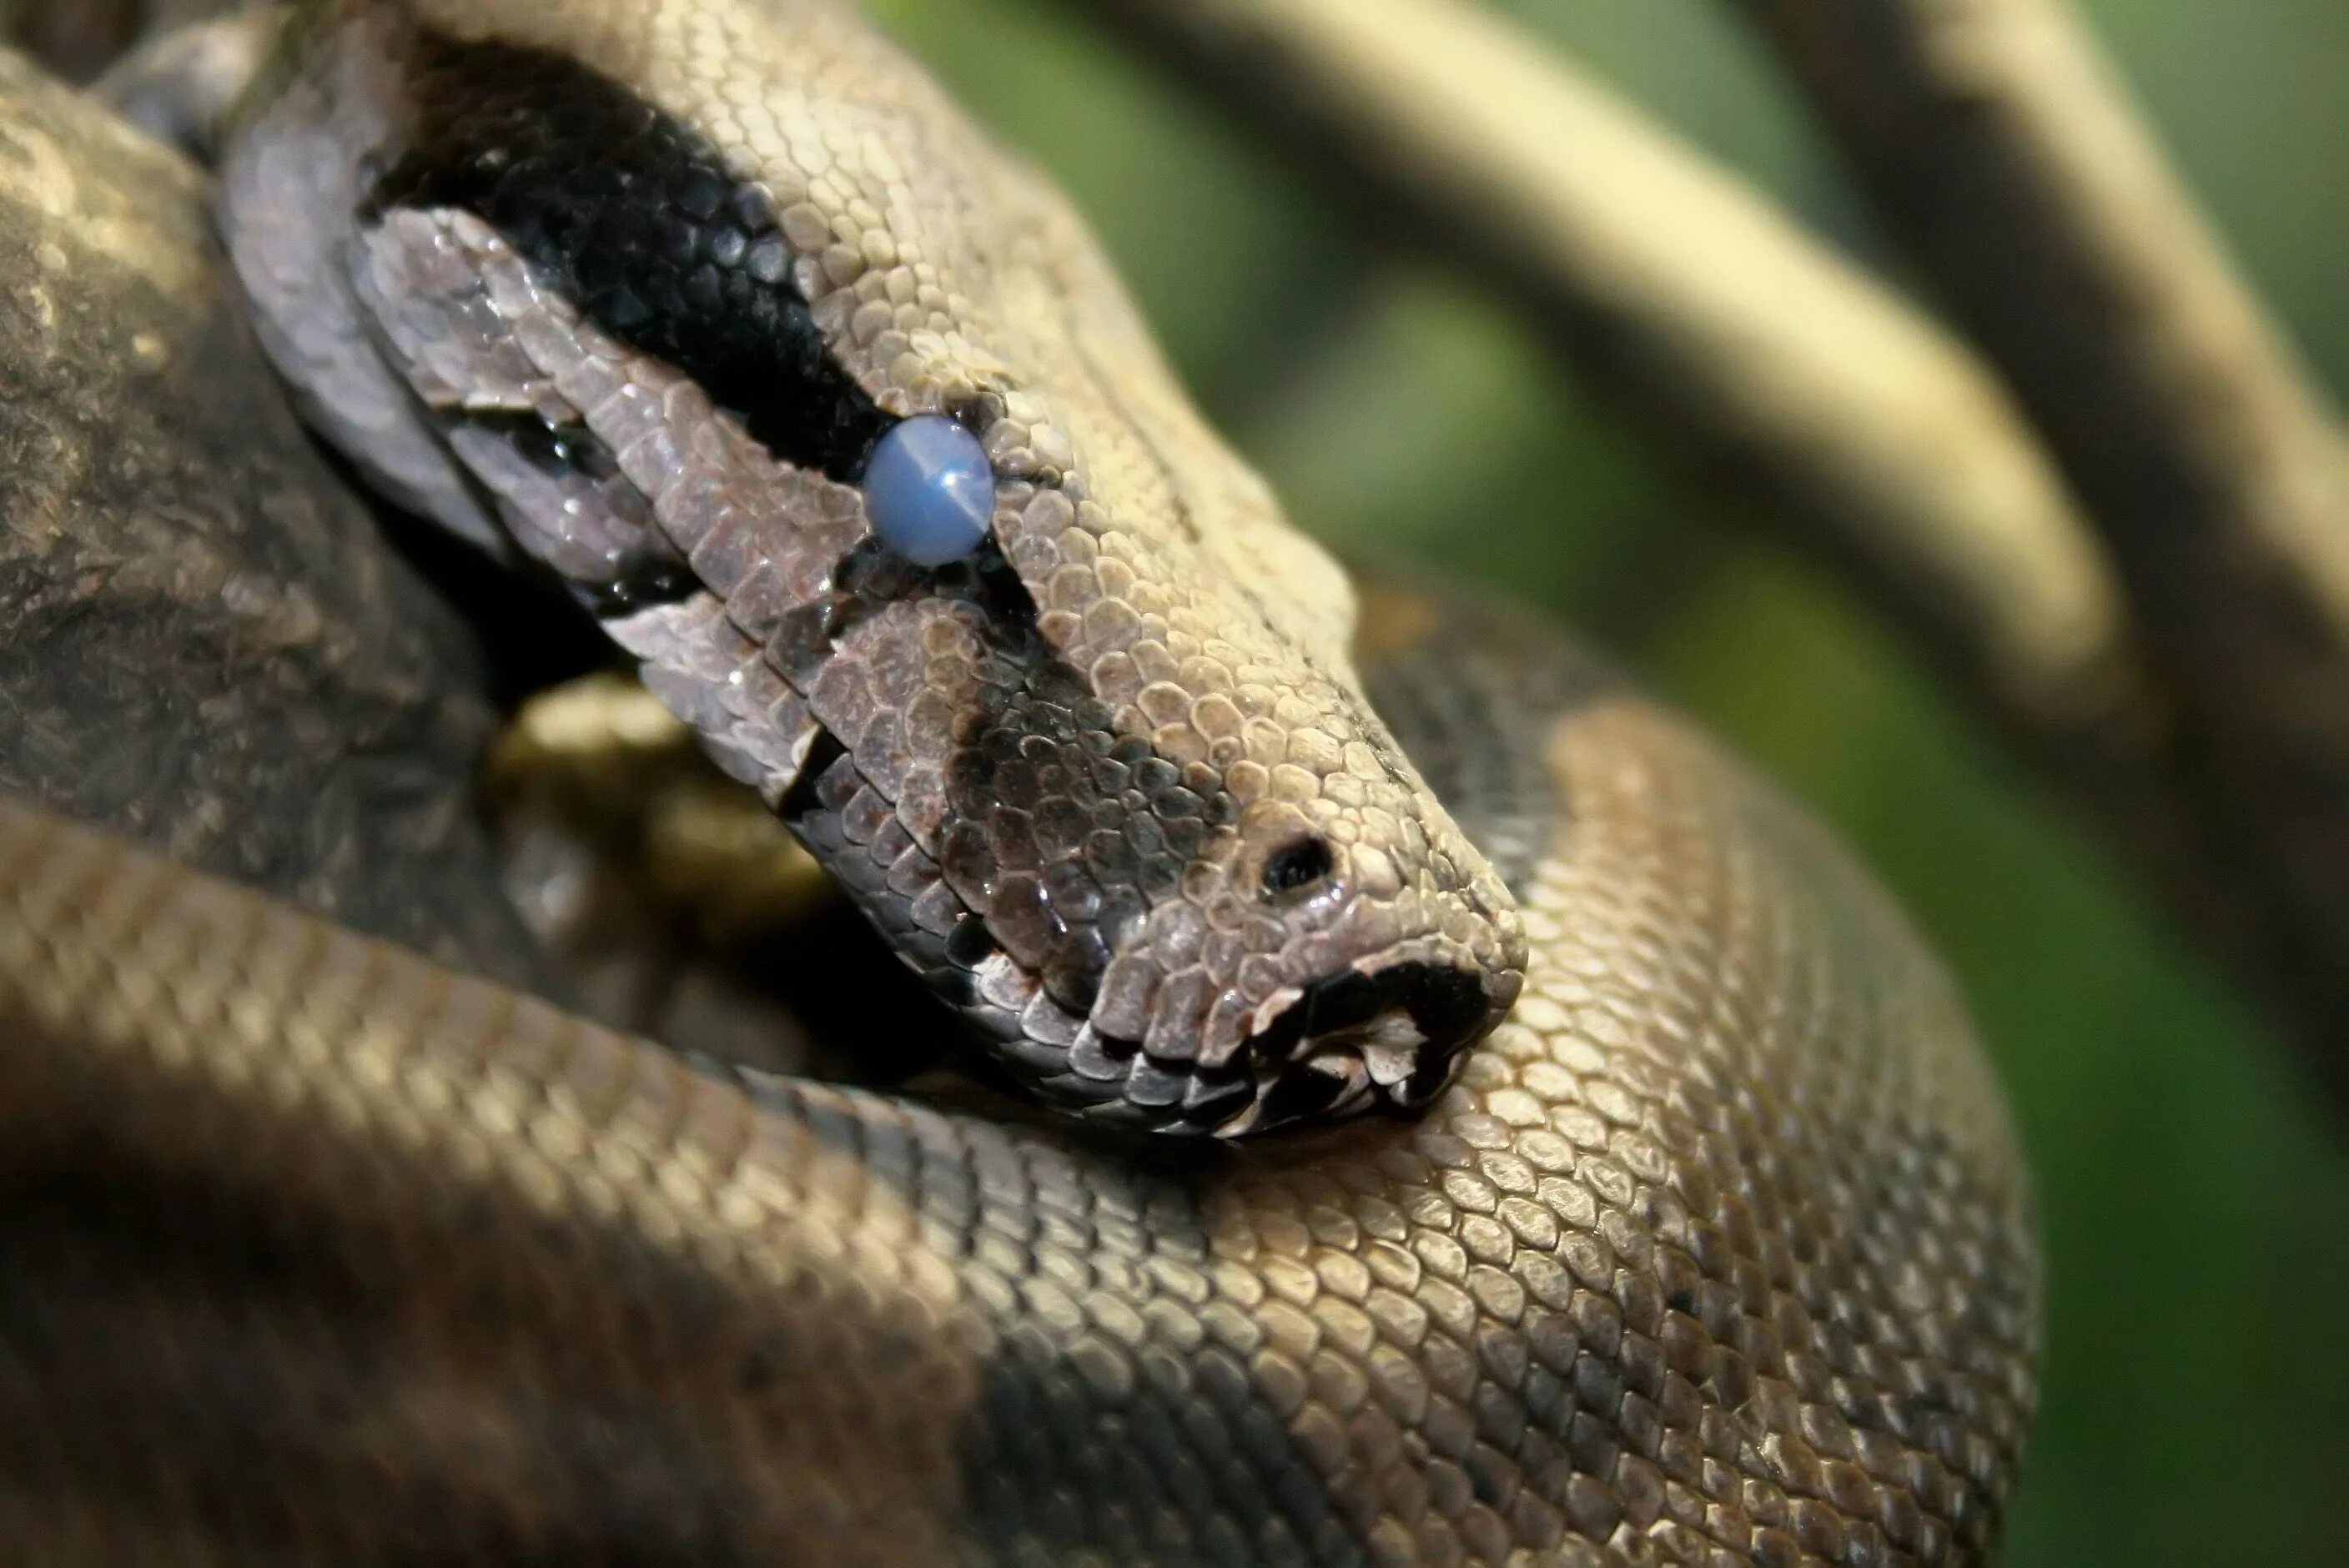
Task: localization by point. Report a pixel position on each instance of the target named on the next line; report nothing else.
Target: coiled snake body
(1699, 1235)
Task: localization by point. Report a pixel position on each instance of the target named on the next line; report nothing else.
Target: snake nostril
(1297, 866)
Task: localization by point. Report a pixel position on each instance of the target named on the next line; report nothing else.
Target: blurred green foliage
(2195, 1203)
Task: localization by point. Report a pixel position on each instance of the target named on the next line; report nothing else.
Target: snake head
(661, 298)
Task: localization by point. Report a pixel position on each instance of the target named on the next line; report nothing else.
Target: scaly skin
(1717, 1250)
(1719, 1246)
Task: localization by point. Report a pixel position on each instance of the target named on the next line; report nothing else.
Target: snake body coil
(1715, 1247)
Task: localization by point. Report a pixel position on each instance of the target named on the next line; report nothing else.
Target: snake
(1437, 1105)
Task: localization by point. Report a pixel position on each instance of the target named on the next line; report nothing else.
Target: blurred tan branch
(1701, 303)
(2219, 764)
(2000, 145)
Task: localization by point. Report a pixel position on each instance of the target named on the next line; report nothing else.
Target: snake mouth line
(1357, 1041)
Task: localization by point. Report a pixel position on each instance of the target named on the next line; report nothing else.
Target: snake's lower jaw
(1364, 1042)
(1359, 1043)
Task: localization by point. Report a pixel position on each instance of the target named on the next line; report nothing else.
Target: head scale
(836, 419)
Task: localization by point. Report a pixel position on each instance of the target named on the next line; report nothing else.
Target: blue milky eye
(929, 490)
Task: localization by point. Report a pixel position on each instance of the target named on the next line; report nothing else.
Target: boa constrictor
(1512, 1135)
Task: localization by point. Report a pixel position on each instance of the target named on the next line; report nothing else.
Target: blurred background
(2195, 1202)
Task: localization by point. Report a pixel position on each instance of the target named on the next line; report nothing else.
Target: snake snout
(1359, 1042)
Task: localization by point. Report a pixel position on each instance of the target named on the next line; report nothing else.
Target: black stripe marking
(635, 218)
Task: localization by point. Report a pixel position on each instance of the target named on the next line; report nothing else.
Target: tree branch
(1691, 297)
(1998, 143)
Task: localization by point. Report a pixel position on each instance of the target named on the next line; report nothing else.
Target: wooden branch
(1689, 296)
(1998, 143)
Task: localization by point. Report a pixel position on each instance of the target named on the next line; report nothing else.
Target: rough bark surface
(209, 647)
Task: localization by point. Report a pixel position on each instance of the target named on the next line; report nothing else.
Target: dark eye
(929, 490)
(1296, 866)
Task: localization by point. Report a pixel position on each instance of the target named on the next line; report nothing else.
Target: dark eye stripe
(638, 221)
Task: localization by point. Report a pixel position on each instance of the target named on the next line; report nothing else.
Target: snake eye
(929, 490)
